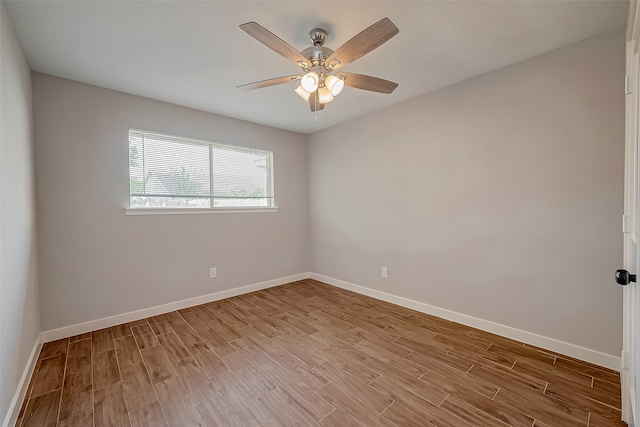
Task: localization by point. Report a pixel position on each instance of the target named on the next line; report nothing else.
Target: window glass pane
(240, 177)
(172, 172)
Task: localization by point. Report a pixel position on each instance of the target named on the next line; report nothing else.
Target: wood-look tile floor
(306, 354)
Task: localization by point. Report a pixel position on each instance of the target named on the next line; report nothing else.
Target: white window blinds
(168, 171)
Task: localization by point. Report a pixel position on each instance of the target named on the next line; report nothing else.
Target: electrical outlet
(383, 272)
(213, 272)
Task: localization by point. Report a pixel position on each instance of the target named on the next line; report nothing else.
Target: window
(168, 171)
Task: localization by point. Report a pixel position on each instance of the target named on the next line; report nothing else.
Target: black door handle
(623, 277)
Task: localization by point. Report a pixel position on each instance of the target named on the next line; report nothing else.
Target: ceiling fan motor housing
(317, 54)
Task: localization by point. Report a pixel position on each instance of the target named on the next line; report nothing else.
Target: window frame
(182, 210)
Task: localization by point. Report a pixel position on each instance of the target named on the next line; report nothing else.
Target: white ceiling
(192, 53)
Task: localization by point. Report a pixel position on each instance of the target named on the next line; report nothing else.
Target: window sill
(187, 211)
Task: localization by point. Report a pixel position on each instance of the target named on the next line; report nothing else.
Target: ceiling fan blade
(373, 84)
(314, 102)
(274, 42)
(269, 82)
(362, 43)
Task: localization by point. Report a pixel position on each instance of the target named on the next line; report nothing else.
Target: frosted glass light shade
(324, 95)
(303, 93)
(334, 84)
(310, 81)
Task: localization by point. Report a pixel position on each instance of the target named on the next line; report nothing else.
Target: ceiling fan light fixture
(324, 95)
(310, 81)
(334, 84)
(303, 93)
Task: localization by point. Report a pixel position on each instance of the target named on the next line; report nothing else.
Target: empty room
(319, 213)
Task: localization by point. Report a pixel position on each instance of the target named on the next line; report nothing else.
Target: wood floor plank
(148, 415)
(194, 380)
(186, 333)
(127, 351)
(105, 369)
(488, 338)
(507, 378)
(138, 390)
(145, 338)
(140, 322)
(256, 343)
(360, 390)
(159, 325)
(227, 317)
(77, 393)
(444, 357)
(392, 359)
(218, 325)
(424, 408)
(249, 376)
(54, 348)
(240, 400)
(211, 364)
(80, 337)
(176, 351)
(121, 330)
(308, 356)
(426, 346)
(463, 390)
(42, 411)
(552, 372)
(285, 411)
(158, 364)
(468, 413)
(597, 421)
(404, 417)
(589, 369)
(80, 419)
(392, 378)
(460, 341)
(214, 341)
(438, 369)
(407, 329)
(350, 411)
(561, 382)
(325, 350)
(102, 340)
(109, 406)
(297, 323)
(303, 394)
(544, 408)
(178, 407)
(333, 343)
(49, 375)
(305, 354)
(569, 396)
(606, 387)
(482, 357)
(218, 412)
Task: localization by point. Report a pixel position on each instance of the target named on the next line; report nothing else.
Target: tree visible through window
(168, 171)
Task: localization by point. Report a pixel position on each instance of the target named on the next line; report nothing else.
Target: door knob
(623, 277)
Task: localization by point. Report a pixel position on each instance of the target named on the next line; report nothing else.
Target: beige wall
(19, 303)
(499, 198)
(98, 262)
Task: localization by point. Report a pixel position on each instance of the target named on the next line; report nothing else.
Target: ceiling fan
(319, 80)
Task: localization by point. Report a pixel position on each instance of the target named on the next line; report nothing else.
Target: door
(630, 356)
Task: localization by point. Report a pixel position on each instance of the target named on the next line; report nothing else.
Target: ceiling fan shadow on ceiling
(320, 81)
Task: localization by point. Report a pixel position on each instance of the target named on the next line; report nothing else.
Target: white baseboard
(94, 325)
(21, 391)
(582, 353)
